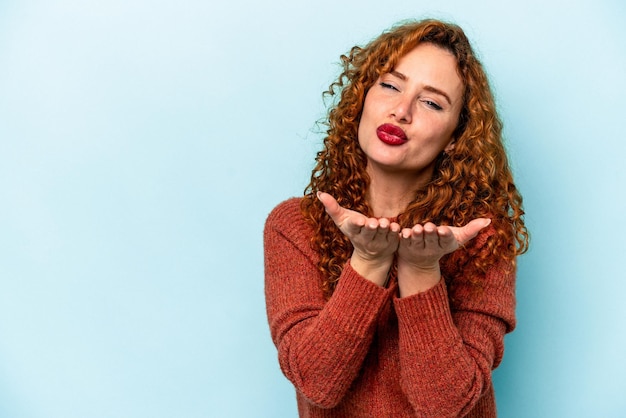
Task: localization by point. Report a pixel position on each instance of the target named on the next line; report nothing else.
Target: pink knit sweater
(368, 353)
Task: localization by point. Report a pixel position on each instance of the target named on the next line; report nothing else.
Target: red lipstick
(391, 134)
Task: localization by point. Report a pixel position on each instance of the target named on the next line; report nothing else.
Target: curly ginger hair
(473, 180)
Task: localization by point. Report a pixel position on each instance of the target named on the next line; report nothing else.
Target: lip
(391, 134)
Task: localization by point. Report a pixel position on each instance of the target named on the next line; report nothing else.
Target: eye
(432, 105)
(388, 86)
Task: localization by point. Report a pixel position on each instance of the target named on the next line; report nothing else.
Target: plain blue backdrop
(143, 143)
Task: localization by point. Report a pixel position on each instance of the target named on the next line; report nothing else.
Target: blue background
(143, 143)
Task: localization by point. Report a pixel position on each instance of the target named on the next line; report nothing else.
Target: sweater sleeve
(321, 344)
(450, 343)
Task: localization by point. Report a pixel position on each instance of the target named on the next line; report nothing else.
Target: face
(410, 114)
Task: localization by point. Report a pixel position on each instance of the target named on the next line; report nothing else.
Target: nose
(402, 110)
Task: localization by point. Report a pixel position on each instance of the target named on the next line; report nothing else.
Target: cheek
(436, 129)
(366, 112)
(447, 127)
(366, 120)
(359, 135)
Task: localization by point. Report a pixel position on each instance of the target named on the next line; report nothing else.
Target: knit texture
(366, 352)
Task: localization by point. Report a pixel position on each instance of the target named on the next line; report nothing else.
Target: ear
(449, 147)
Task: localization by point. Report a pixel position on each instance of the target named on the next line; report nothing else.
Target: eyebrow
(427, 87)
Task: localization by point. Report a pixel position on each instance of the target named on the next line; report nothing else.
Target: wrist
(374, 270)
(414, 279)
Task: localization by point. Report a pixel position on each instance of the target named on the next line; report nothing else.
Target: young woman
(391, 284)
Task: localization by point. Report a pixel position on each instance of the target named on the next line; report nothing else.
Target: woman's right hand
(374, 240)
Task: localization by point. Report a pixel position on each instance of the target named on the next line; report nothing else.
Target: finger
(382, 232)
(469, 231)
(446, 237)
(417, 236)
(431, 237)
(444, 232)
(353, 225)
(383, 223)
(407, 233)
(348, 221)
(330, 204)
(370, 229)
(378, 229)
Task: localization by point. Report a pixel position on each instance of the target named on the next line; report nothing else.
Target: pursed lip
(391, 134)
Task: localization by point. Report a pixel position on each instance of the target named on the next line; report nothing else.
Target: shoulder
(285, 213)
(286, 227)
(289, 207)
(287, 219)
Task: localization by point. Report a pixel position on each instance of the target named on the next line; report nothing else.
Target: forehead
(433, 65)
(427, 56)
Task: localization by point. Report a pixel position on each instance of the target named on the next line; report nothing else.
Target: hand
(374, 240)
(421, 248)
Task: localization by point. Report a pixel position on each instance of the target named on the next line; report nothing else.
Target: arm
(448, 349)
(321, 344)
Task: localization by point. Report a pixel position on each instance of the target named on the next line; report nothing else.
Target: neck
(389, 194)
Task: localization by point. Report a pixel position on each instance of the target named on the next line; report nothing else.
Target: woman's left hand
(421, 248)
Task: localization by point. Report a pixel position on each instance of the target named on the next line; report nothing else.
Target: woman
(390, 284)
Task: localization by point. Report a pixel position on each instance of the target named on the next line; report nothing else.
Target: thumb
(330, 204)
(472, 229)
